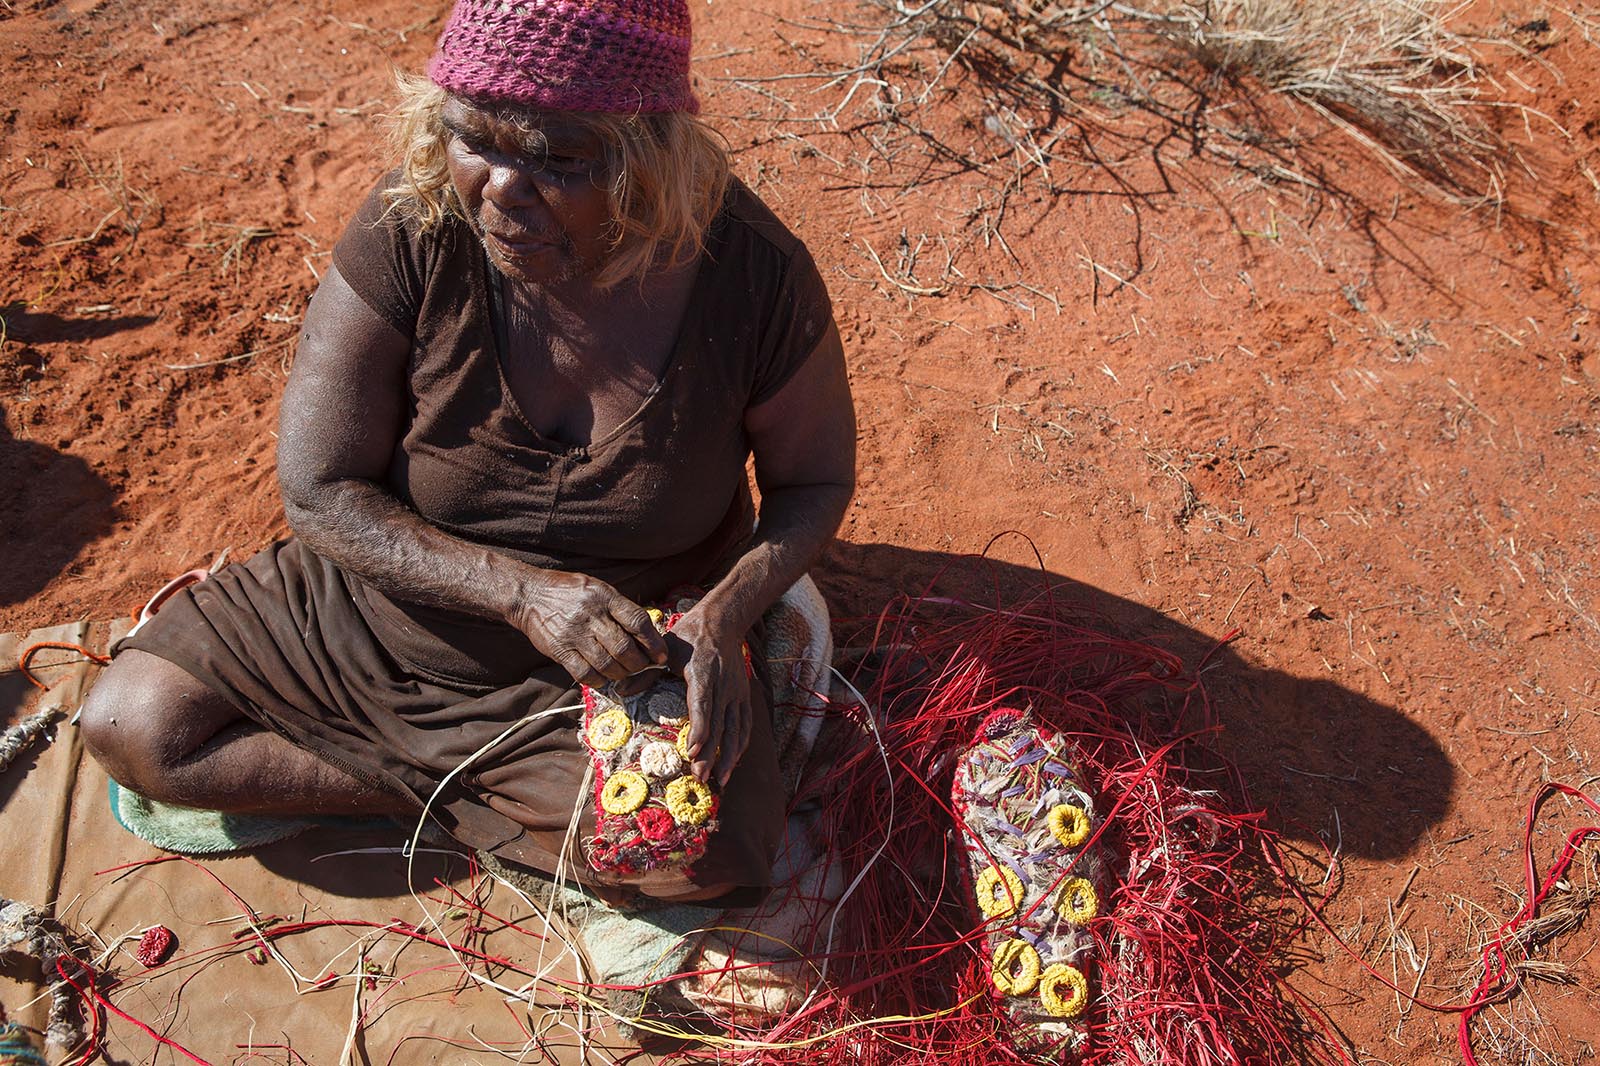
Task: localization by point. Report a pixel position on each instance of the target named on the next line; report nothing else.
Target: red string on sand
(1500, 977)
(262, 932)
(94, 996)
(31, 650)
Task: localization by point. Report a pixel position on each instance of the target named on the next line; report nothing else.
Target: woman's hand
(803, 440)
(587, 627)
(706, 649)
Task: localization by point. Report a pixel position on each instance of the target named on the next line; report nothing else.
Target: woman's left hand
(708, 653)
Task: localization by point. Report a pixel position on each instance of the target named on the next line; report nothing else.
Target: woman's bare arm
(340, 423)
(804, 442)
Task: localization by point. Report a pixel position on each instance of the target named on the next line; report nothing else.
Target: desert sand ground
(1260, 379)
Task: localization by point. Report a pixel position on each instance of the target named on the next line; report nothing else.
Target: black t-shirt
(660, 501)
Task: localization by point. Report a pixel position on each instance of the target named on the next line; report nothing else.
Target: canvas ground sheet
(392, 999)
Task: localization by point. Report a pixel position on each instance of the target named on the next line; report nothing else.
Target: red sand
(1353, 420)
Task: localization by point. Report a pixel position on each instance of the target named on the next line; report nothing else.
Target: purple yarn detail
(1029, 758)
(617, 56)
(1006, 825)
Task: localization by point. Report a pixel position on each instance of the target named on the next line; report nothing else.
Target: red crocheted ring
(155, 946)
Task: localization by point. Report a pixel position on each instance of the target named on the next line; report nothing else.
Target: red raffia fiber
(1191, 943)
(1501, 978)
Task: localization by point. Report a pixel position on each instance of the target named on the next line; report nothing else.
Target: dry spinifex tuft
(1391, 73)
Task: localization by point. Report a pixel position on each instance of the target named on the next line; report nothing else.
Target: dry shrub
(1389, 65)
(1389, 72)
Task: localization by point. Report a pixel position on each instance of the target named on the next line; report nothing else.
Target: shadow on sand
(53, 504)
(1332, 766)
(1328, 763)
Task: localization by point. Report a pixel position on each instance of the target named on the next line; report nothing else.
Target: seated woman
(520, 414)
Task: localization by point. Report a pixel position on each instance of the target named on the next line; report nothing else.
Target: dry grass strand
(1388, 72)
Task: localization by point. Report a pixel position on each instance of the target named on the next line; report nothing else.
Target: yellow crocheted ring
(1015, 970)
(999, 892)
(1063, 990)
(689, 800)
(683, 740)
(609, 730)
(1069, 824)
(624, 792)
(1078, 901)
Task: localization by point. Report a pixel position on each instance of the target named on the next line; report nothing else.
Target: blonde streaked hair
(666, 175)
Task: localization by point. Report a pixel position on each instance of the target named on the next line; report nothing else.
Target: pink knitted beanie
(621, 56)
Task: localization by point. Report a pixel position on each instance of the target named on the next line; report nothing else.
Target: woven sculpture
(650, 811)
(1037, 875)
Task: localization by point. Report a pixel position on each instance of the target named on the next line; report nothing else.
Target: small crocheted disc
(1069, 824)
(655, 823)
(1063, 990)
(660, 759)
(649, 815)
(1078, 902)
(625, 792)
(690, 800)
(999, 892)
(609, 730)
(1015, 968)
(1028, 817)
(668, 702)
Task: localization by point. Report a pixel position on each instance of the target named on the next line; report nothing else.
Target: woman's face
(537, 201)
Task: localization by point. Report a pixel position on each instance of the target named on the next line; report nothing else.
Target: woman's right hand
(587, 627)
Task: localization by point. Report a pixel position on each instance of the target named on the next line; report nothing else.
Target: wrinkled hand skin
(707, 650)
(594, 632)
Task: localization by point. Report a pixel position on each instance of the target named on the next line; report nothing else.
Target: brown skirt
(282, 638)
